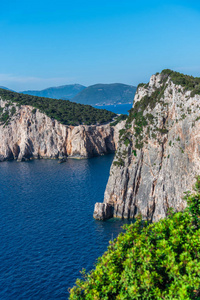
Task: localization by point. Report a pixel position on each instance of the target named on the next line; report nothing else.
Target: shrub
(4, 117)
(127, 142)
(34, 111)
(150, 261)
(119, 162)
(141, 85)
(163, 130)
(134, 152)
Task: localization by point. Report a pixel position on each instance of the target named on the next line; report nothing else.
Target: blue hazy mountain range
(65, 92)
(98, 94)
(104, 94)
(5, 88)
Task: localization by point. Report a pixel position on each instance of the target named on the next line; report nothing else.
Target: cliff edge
(158, 153)
(27, 133)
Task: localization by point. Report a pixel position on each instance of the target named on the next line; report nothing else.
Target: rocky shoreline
(31, 134)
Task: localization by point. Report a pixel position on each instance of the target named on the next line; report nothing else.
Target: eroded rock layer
(158, 153)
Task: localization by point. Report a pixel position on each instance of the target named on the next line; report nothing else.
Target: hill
(64, 92)
(5, 88)
(105, 94)
(66, 112)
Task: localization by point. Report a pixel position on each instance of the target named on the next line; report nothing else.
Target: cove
(47, 231)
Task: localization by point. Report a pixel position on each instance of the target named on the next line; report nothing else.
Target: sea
(47, 231)
(118, 109)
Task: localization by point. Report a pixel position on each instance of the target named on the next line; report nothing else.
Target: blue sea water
(47, 232)
(118, 109)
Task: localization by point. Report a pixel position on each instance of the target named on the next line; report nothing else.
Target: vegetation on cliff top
(144, 120)
(189, 83)
(150, 261)
(66, 112)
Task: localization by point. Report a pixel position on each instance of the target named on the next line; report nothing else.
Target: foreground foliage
(150, 261)
(66, 112)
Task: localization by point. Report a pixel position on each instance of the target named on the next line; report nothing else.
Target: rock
(30, 135)
(103, 211)
(62, 160)
(158, 154)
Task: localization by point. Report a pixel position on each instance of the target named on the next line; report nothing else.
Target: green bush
(127, 142)
(163, 130)
(119, 162)
(141, 85)
(150, 261)
(34, 111)
(122, 132)
(4, 117)
(134, 152)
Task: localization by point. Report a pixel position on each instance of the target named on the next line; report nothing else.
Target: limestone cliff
(158, 153)
(27, 133)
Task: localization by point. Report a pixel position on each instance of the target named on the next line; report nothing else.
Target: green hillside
(104, 94)
(189, 83)
(66, 112)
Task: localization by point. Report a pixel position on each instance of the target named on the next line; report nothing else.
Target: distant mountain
(64, 92)
(98, 94)
(5, 88)
(105, 94)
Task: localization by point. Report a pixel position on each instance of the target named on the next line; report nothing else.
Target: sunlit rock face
(158, 153)
(31, 134)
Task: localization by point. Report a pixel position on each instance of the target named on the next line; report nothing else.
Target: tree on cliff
(150, 261)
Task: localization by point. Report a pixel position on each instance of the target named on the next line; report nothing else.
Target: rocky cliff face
(158, 153)
(26, 133)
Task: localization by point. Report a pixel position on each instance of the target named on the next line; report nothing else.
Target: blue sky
(50, 43)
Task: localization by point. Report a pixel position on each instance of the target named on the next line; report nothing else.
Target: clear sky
(50, 43)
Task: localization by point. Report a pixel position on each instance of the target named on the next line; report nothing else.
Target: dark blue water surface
(118, 109)
(47, 232)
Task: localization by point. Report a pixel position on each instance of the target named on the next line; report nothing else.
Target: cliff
(158, 153)
(27, 133)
